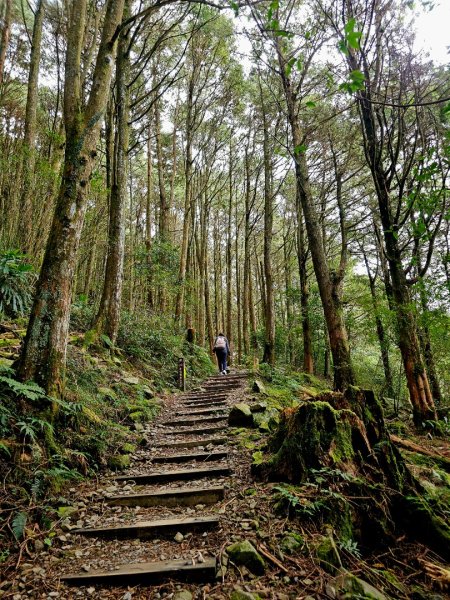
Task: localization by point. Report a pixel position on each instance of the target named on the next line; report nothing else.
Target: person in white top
(222, 351)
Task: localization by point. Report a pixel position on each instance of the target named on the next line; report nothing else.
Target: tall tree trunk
(416, 376)
(148, 222)
(302, 257)
(269, 305)
(381, 334)
(30, 128)
(343, 371)
(247, 274)
(108, 317)
(179, 303)
(5, 35)
(229, 281)
(43, 357)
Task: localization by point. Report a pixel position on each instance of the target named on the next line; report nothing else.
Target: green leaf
(18, 525)
(235, 7)
(300, 148)
(310, 104)
(355, 83)
(289, 66)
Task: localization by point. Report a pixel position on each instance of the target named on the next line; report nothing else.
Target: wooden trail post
(181, 374)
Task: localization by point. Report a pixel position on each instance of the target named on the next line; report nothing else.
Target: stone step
(149, 573)
(201, 419)
(150, 529)
(216, 441)
(202, 411)
(194, 431)
(179, 475)
(170, 497)
(198, 456)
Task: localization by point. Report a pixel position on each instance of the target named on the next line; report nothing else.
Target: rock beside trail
(258, 387)
(183, 595)
(119, 462)
(240, 416)
(241, 595)
(131, 380)
(292, 542)
(350, 587)
(243, 553)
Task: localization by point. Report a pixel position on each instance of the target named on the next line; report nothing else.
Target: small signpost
(181, 374)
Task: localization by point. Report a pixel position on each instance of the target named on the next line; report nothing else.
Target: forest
(276, 170)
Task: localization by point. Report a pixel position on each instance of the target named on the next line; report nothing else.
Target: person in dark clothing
(222, 351)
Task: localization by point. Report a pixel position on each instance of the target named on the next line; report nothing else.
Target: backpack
(221, 343)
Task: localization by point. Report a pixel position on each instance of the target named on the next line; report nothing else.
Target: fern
(5, 449)
(27, 430)
(30, 390)
(18, 525)
(351, 547)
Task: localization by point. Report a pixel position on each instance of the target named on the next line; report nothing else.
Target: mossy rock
(258, 387)
(328, 554)
(107, 393)
(137, 416)
(292, 542)
(183, 595)
(243, 553)
(131, 380)
(128, 448)
(258, 407)
(351, 587)
(240, 416)
(148, 392)
(119, 462)
(241, 595)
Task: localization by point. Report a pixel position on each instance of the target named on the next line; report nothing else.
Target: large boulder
(258, 387)
(240, 416)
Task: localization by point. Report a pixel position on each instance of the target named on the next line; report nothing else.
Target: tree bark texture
(5, 35)
(108, 316)
(43, 356)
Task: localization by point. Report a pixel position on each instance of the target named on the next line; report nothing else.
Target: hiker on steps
(222, 350)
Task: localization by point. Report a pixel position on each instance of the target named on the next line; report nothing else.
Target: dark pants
(222, 359)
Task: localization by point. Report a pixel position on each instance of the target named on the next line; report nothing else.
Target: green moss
(128, 448)
(119, 462)
(328, 555)
(137, 416)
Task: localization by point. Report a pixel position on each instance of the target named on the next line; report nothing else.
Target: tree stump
(344, 436)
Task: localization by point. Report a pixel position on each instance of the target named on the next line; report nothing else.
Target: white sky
(433, 31)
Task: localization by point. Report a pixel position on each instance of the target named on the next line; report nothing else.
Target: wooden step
(213, 410)
(212, 402)
(150, 572)
(171, 497)
(216, 441)
(179, 475)
(202, 418)
(205, 397)
(195, 431)
(149, 529)
(198, 456)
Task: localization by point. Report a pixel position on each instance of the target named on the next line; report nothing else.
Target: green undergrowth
(49, 444)
(286, 387)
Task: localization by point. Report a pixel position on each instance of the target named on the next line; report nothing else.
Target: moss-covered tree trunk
(108, 317)
(43, 356)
